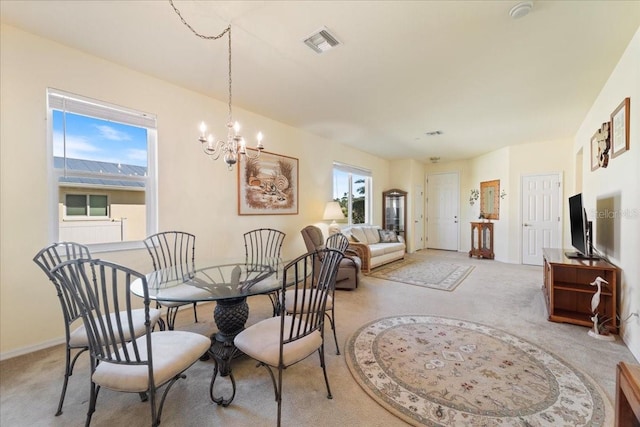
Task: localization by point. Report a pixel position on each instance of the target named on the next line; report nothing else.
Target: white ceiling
(404, 67)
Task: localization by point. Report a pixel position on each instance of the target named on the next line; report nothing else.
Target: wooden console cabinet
(568, 292)
(627, 395)
(482, 240)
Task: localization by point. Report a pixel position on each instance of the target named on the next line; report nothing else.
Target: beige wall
(195, 194)
(405, 175)
(614, 192)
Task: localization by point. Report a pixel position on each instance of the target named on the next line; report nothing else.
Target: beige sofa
(371, 248)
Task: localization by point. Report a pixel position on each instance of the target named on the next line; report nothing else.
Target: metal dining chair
(262, 247)
(141, 365)
(75, 333)
(297, 331)
(169, 249)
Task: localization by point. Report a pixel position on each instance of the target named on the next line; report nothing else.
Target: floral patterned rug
(445, 276)
(436, 371)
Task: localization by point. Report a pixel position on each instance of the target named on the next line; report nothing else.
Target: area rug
(445, 276)
(436, 371)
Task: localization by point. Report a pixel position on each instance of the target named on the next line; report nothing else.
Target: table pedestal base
(230, 316)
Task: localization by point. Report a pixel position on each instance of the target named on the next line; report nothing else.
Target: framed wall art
(267, 185)
(595, 155)
(620, 128)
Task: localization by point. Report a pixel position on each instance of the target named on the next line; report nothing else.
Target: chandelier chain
(213, 37)
(234, 147)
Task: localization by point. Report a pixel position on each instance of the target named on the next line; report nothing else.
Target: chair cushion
(311, 293)
(313, 238)
(78, 337)
(173, 352)
(261, 342)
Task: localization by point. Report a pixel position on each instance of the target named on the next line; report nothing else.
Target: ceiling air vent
(321, 41)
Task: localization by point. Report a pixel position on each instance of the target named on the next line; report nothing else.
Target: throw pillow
(388, 236)
(358, 235)
(372, 234)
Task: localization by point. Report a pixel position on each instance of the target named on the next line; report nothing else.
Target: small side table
(482, 240)
(627, 395)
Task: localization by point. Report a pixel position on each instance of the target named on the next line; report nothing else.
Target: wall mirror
(490, 199)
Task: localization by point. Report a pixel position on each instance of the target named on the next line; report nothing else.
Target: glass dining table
(228, 283)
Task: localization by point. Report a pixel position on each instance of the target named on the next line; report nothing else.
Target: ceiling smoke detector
(521, 9)
(321, 41)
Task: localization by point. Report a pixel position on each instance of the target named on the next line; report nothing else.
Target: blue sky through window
(90, 138)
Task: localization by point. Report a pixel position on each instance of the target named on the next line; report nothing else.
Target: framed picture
(595, 154)
(620, 128)
(267, 185)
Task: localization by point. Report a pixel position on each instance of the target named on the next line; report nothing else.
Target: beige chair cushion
(310, 295)
(78, 337)
(261, 342)
(173, 352)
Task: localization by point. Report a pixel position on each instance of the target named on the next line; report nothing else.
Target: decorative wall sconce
(475, 194)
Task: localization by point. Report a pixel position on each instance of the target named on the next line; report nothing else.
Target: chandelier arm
(215, 151)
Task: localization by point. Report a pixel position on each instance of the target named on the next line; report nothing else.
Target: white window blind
(71, 103)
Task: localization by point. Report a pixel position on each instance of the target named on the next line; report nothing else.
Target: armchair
(349, 269)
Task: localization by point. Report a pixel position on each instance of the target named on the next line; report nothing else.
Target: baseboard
(30, 349)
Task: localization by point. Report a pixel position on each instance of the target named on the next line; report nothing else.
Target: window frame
(87, 216)
(368, 194)
(78, 104)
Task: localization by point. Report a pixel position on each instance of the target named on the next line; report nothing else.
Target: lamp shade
(333, 211)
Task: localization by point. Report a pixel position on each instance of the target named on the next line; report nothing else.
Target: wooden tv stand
(568, 292)
(627, 395)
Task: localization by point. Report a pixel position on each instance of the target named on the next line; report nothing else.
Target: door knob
(526, 225)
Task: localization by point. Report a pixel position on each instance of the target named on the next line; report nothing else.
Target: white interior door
(541, 216)
(418, 217)
(443, 206)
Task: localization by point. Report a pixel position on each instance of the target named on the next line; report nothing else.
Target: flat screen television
(581, 236)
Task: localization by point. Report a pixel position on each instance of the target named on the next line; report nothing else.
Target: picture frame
(268, 184)
(620, 128)
(595, 155)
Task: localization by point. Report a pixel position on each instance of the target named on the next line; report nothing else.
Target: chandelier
(235, 145)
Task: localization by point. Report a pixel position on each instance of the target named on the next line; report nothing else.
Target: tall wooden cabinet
(482, 240)
(568, 292)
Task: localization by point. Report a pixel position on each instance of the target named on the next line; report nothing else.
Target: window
(103, 175)
(352, 189)
(86, 205)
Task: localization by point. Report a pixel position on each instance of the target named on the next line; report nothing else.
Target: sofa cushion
(377, 249)
(388, 236)
(372, 234)
(358, 235)
(393, 247)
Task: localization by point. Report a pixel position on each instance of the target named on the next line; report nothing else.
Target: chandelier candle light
(235, 145)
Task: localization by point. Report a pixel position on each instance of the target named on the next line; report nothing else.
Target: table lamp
(333, 211)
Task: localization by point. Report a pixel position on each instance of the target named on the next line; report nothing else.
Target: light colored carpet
(440, 371)
(420, 271)
(505, 296)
